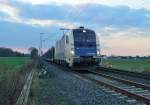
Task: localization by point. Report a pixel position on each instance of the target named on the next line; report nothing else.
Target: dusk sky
(123, 26)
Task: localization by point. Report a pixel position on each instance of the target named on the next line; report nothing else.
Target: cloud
(12, 14)
(40, 22)
(10, 11)
(66, 16)
(123, 30)
(102, 16)
(44, 23)
(131, 41)
(136, 4)
(121, 16)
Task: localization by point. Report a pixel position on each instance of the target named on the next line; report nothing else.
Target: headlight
(84, 31)
(72, 52)
(98, 52)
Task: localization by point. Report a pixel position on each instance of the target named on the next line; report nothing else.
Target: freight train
(77, 47)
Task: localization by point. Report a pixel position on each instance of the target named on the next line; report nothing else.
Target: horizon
(111, 55)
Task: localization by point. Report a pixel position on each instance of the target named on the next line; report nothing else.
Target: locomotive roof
(81, 30)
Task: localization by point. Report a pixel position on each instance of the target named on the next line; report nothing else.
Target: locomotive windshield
(84, 38)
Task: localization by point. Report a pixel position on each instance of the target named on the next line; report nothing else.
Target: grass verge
(13, 73)
(136, 65)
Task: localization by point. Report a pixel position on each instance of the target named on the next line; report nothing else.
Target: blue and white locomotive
(78, 47)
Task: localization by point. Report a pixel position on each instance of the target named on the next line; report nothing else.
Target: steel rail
(129, 82)
(123, 72)
(118, 89)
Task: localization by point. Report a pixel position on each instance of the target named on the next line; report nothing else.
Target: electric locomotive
(78, 47)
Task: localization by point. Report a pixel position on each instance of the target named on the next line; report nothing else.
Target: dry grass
(11, 83)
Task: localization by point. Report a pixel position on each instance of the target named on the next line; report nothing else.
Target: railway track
(126, 81)
(122, 72)
(134, 90)
(126, 75)
(131, 89)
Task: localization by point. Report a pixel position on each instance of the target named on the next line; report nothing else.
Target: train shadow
(82, 71)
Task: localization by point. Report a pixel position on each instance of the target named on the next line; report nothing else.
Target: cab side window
(67, 39)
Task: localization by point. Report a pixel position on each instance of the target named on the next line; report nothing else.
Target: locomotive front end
(86, 48)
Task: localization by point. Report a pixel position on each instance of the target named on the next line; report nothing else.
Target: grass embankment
(136, 65)
(12, 77)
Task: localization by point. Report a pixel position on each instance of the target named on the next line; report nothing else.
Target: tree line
(8, 52)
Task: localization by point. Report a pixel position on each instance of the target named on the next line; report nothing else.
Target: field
(12, 77)
(9, 63)
(137, 65)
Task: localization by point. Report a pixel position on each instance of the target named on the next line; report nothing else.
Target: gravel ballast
(63, 88)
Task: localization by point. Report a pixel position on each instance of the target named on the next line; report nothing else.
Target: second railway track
(134, 90)
(124, 73)
(126, 81)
